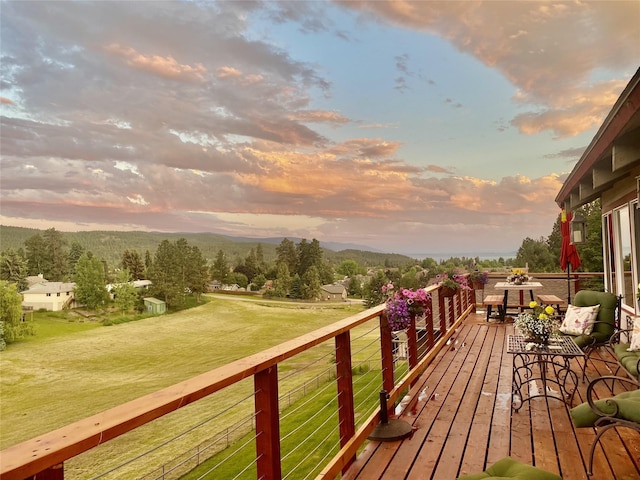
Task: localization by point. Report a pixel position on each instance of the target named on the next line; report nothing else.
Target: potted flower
(478, 279)
(403, 304)
(450, 282)
(536, 325)
(518, 276)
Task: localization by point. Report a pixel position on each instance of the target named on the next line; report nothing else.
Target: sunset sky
(406, 127)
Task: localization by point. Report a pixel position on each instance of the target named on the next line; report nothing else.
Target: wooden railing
(44, 456)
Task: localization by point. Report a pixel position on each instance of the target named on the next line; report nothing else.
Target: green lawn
(74, 369)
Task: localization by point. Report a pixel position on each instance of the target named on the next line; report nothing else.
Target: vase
(518, 281)
(477, 285)
(538, 339)
(447, 291)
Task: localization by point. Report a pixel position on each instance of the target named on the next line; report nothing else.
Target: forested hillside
(111, 245)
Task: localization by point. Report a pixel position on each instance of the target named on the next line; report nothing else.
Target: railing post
(386, 351)
(267, 424)
(346, 409)
(412, 344)
(52, 473)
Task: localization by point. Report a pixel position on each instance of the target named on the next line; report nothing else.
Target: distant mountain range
(110, 245)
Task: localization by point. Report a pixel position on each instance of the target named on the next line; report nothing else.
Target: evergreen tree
(14, 269)
(311, 286)
(220, 268)
(282, 281)
(89, 278)
(75, 252)
(250, 267)
(58, 258)
(12, 327)
(286, 254)
(261, 264)
(197, 272)
(354, 288)
(36, 253)
(373, 290)
(166, 274)
(132, 262)
(296, 287)
(148, 262)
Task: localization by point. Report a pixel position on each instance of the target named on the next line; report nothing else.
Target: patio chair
(604, 326)
(620, 411)
(512, 469)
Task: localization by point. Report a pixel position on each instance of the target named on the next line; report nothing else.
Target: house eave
(612, 153)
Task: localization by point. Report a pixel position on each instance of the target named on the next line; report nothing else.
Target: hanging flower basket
(448, 291)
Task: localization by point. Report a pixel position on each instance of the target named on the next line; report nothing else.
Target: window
(621, 261)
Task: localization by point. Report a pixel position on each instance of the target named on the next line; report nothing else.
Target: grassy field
(74, 369)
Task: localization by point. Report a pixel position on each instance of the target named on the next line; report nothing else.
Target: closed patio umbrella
(569, 257)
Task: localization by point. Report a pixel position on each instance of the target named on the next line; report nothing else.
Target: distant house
(334, 292)
(155, 306)
(142, 284)
(52, 296)
(139, 285)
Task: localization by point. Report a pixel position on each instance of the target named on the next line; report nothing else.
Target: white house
(52, 296)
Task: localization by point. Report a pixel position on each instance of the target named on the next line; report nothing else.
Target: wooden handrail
(52, 449)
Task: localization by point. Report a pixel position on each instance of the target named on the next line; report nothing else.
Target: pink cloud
(165, 66)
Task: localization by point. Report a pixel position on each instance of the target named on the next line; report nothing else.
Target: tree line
(178, 269)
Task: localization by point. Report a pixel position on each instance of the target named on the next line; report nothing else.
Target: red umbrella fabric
(568, 253)
(569, 258)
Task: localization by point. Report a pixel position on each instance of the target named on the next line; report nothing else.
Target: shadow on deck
(460, 409)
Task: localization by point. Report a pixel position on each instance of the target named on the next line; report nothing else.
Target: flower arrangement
(479, 278)
(455, 281)
(518, 276)
(538, 324)
(402, 304)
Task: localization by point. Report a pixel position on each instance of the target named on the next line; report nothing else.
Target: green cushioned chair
(510, 468)
(605, 325)
(608, 316)
(622, 410)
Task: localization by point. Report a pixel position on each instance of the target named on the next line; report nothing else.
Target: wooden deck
(460, 410)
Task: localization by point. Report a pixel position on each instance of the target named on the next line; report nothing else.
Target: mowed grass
(52, 381)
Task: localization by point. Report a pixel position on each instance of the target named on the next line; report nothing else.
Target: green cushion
(628, 403)
(607, 313)
(629, 360)
(510, 468)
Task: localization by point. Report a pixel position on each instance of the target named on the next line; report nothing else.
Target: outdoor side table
(537, 372)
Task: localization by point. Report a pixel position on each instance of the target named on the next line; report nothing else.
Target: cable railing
(362, 362)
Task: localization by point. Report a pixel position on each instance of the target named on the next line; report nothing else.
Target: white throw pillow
(579, 320)
(635, 337)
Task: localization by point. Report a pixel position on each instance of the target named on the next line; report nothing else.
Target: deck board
(460, 409)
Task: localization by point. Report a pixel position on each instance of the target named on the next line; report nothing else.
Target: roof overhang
(613, 152)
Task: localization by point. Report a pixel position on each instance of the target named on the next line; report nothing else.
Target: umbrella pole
(568, 283)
